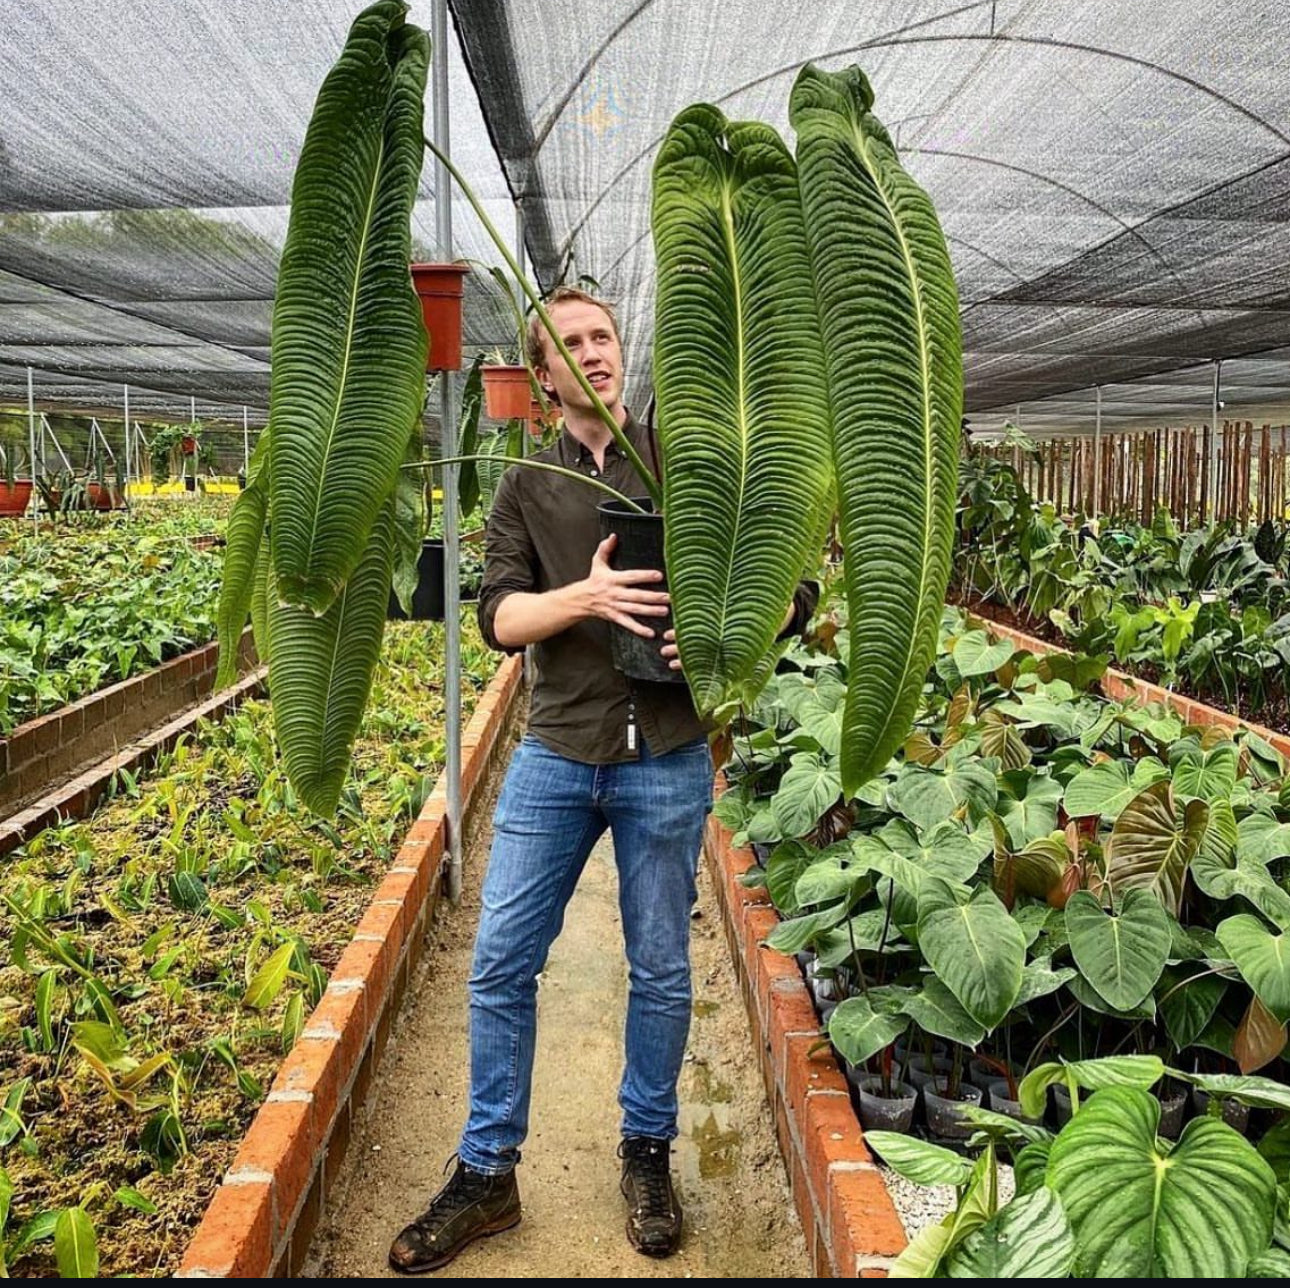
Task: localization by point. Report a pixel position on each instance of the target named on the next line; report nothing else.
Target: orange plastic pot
(440, 288)
(101, 496)
(14, 499)
(506, 392)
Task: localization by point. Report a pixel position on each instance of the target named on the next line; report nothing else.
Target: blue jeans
(551, 812)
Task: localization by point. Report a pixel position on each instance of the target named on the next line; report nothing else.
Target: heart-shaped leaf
(1034, 870)
(1188, 998)
(1249, 879)
(858, 1030)
(976, 948)
(1205, 775)
(999, 738)
(943, 850)
(1262, 838)
(1028, 806)
(1259, 1038)
(927, 797)
(1263, 960)
(809, 786)
(936, 1010)
(974, 654)
(1039, 979)
(1261, 1093)
(1123, 955)
(1200, 1210)
(1107, 787)
(1140, 1071)
(1153, 843)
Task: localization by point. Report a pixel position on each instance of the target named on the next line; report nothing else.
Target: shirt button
(595, 473)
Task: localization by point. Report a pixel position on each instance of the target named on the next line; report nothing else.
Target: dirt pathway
(739, 1218)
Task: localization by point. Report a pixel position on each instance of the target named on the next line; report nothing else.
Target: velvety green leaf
(1121, 955)
(1261, 1093)
(1106, 788)
(936, 1010)
(1140, 1071)
(319, 687)
(1038, 979)
(859, 1031)
(974, 654)
(746, 442)
(919, 1160)
(1188, 1005)
(787, 862)
(1261, 838)
(1030, 1238)
(1201, 1210)
(1028, 806)
(926, 797)
(943, 850)
(349, 345)
(807, 790)
(1206, 775)
(834, 876)
(1034, 870)
(1000, 739)
(1262, 958)
(1221, 833)
(472, 402)
(976, 949)
(1153, 843)
(798, 932)
(1089, 998)
(75, 1245)
(1249, 879)
(886, 295)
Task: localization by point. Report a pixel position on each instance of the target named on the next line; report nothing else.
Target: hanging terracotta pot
(506, 392)
(540, 420)
(14, 496)
(441, 287)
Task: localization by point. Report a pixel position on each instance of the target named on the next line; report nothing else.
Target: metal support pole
(530, 664)
(31, 444)
(448, 421)
(128, 453)
(246, 446)
(1213, 444)
(1097, 457)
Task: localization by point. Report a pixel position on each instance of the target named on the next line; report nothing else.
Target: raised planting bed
(39, 755)
(1071, 899)
(84, 606)
(171, 950)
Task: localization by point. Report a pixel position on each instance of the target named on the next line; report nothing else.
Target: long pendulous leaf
(348, 344)
(241, 553)
(888, 309)
(742, 400)
(321, 670)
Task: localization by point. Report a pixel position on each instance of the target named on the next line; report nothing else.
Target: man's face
(589, 335)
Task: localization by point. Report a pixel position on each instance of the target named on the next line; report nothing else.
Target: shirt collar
(575, 452)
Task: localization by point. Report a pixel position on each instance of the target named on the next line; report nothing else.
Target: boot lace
(648, 1161)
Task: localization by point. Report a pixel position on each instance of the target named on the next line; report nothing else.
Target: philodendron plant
(1105, 1197)
(807, 359)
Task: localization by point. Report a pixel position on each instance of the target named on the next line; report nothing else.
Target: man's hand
(619, 596)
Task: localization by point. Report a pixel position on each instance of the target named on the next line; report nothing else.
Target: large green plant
(349, 351)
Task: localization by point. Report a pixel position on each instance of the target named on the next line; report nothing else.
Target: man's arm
(525, 618)
(512, 613)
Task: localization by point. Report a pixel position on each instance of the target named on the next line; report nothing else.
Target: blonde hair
(536, 333)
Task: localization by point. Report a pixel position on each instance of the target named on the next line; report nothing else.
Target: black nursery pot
(427, 599)
(640, 545)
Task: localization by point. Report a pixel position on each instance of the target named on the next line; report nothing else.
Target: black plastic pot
(879, 1112)
(1173, 1104)
(1001, 1103)
(1234, 1114)
(640, 545)
(190, 483)
(945, 1119)
(427, 599)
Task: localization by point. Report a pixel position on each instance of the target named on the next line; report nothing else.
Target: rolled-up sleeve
(510, 559)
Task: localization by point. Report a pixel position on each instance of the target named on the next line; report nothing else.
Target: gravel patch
(922, 1205)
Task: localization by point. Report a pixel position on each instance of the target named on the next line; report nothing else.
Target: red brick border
(851, 1225)
(77, 797)
(59, 743)
(1120, 686)
(262, 1217)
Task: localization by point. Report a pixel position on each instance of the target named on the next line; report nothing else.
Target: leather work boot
(469, 1207)
(653, 1210)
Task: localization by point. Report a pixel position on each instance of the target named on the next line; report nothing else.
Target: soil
(739, 1217)
(1273, 713)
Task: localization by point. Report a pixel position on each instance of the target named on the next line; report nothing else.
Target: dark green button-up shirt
(542, 532)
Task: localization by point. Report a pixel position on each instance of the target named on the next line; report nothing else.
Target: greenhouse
(650, 641)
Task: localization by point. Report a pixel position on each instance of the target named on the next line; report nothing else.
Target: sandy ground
(739, 1218)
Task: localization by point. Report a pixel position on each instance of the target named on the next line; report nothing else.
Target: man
(600, 751)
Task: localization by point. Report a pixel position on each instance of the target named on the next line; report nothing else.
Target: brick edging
(1120, 686)
(262, 1216)
(77, 797)
(851, 1225)
(57, 744)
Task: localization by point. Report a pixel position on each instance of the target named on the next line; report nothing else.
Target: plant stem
(529, 463)
(624, 445)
